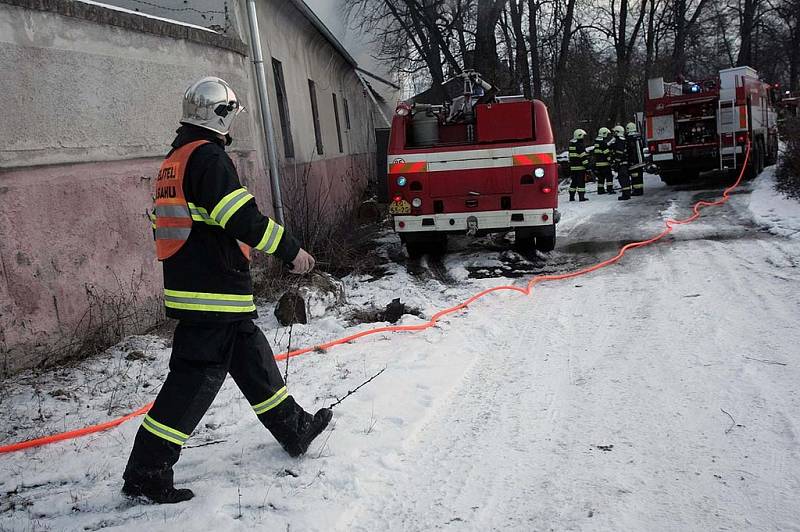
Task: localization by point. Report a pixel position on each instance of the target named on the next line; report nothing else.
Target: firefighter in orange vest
(206, 224)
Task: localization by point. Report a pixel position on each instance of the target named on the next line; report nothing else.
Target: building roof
(323, 29)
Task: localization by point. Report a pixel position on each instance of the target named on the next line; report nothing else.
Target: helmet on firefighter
(619, 131)
(603, 132)
(630, 128)
(211, 104)
(579, 134)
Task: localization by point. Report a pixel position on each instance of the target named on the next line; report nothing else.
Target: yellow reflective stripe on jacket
(272, 402)
(228, 205)
(272, 237)
(209, 302)
(164, 432)
(199, 214)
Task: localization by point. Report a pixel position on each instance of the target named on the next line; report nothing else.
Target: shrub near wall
(788, 174)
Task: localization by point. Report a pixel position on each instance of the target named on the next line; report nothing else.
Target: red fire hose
(669, 224)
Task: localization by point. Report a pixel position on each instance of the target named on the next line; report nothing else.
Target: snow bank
(770, 208)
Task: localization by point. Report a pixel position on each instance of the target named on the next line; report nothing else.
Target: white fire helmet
(630, 128)
(211, 104)
(603, 132)
(619, 131)
(579, 134)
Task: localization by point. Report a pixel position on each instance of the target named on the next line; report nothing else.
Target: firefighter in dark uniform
(578, 165)
(206, 225)
(602, 162)
(636, 159)
(619, 157)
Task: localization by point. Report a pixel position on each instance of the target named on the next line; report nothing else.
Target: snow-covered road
(658, 394)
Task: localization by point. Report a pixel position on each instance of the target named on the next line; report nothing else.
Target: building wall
(96, 97)
(336, 178)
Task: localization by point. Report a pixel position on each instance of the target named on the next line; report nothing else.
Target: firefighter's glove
(302, 263)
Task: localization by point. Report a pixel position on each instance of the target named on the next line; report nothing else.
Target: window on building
(338, 124)
(283, 108)
(346, 114)
(312, 91)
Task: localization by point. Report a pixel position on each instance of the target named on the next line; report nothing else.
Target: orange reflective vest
(173, 215)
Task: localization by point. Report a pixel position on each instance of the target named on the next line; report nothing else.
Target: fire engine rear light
(539, 172)
(397, 198)
(401, 224)
(545, 217)
(401, 181)
(547, 190)
(741, 138)
(416, 203)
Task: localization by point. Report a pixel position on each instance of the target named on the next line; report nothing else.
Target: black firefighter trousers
(202, 355)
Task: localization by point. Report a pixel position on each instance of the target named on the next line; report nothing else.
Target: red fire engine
(478, 164)
(694, 127)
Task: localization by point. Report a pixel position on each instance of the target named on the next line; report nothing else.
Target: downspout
(266, 112)
(372, 97)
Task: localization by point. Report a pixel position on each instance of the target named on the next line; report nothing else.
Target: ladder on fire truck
(726, 134)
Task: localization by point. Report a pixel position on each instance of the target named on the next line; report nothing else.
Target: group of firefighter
(619, 149)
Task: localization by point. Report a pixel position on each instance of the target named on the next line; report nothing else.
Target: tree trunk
(649, 40)
(794, 57)
(522, 67)
(533, 34)
(561, 64)
(513, 81)
(679, 51)
(746, 25)
(682, 27)
(485, 40)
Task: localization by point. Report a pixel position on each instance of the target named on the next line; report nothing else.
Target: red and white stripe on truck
(470, 186)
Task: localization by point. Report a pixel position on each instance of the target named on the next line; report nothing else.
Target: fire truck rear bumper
(487, 221)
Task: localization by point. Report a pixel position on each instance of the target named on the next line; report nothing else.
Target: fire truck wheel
(546, 243)
(756, 162)
(432, 244)
(528, 243)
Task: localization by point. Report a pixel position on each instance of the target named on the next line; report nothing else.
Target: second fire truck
(694, 127)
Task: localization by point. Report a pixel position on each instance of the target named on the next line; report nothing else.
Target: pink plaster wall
(64, 228)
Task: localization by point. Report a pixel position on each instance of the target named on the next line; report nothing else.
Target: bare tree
(486, 59)
(522, 69)
(682, 26)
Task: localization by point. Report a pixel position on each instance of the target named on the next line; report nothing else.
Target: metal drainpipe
(266, 112)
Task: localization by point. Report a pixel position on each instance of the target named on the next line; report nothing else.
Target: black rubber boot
(295, 429)
(601, 190)
(582, 196)
(157, 493)
(572, 196)
(625, 196)
(610, 189)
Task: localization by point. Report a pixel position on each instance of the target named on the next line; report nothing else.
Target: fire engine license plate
(400, 207)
